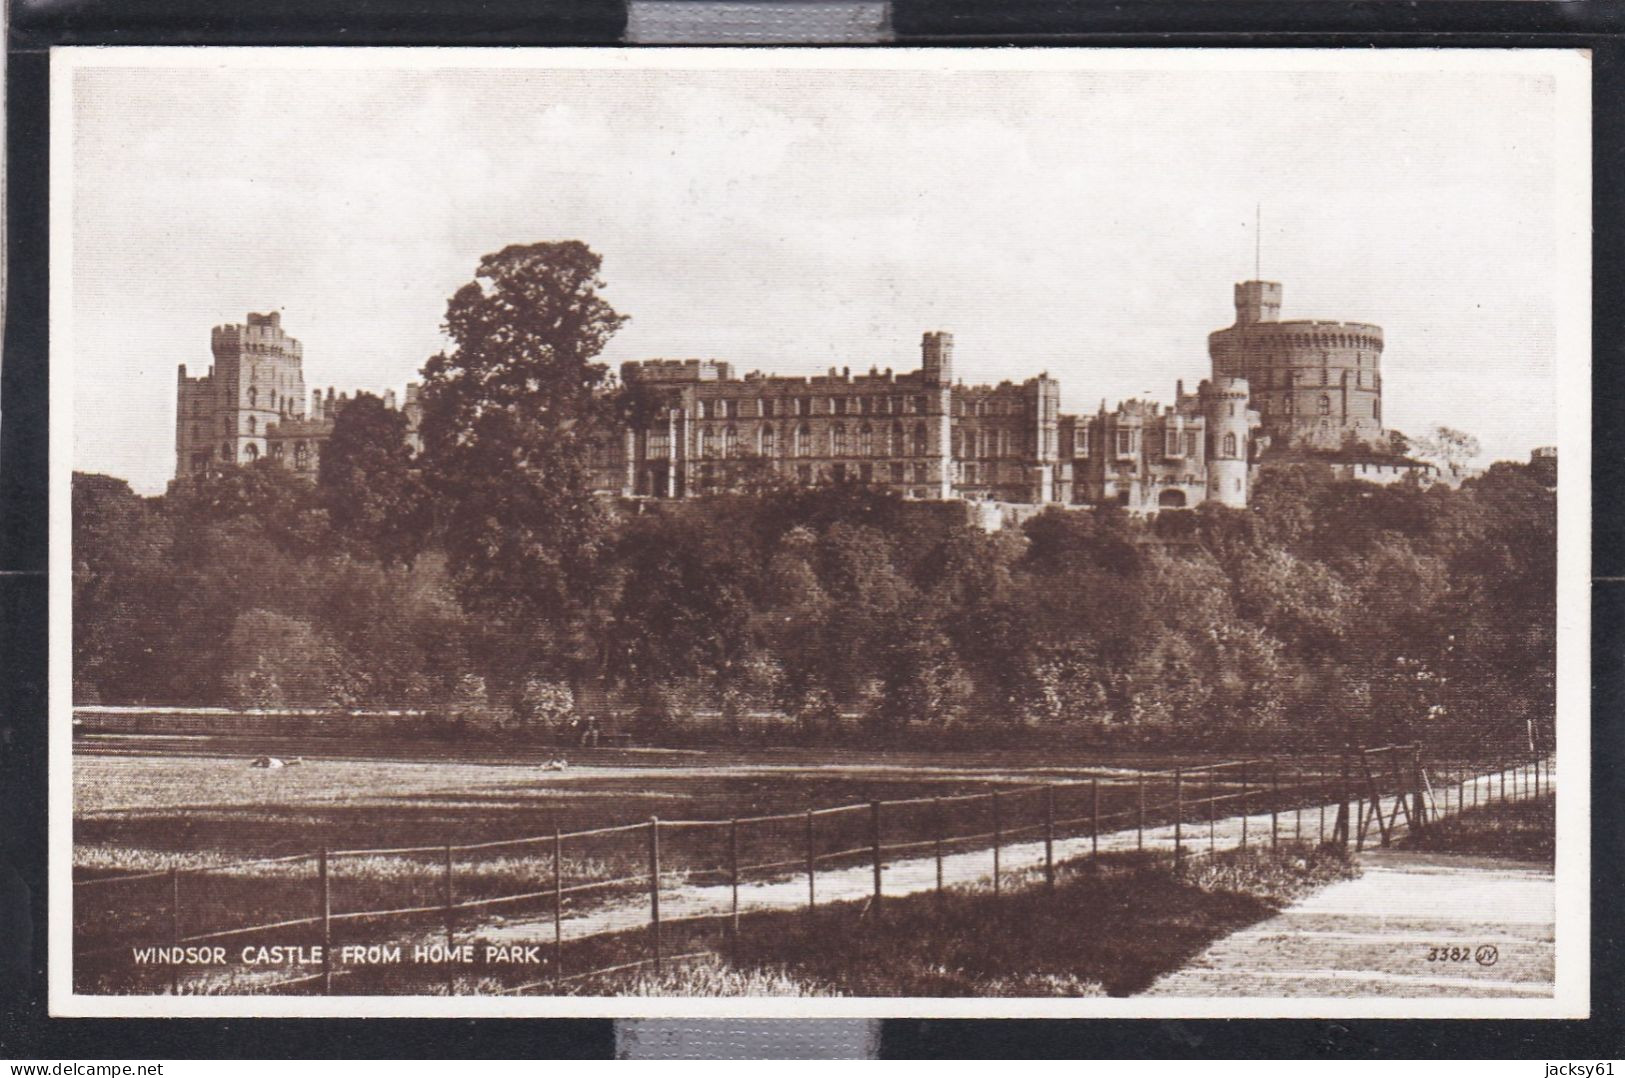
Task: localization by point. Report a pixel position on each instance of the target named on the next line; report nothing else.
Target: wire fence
(573, 906)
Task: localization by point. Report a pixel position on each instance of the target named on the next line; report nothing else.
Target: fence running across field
(613, 880)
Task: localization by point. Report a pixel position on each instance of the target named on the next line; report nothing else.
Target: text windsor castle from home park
(922, 434)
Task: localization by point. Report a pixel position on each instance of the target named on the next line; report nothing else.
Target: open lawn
(388, 822)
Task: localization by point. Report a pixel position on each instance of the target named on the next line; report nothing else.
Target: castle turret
(1314, 383)
(1258, 301)
(1224, 407)
(937, 358)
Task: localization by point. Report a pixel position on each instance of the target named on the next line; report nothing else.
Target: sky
(1086, 222)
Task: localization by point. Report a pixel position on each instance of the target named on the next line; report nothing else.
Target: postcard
(820, 532)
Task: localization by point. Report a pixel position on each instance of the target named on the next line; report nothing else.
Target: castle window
(837, 440)
(1082, 438)
(803, 442)
(765, 406)
(708, 442)
(225, 425)
(659, 444)
(769, 444)
(970, 473)
(301, 455)
(252, 423)
(1190, 443)
(919, 439)
(921, 474)
(225, 451)
(730, 442)
(1230, 445)
(1325, 405)
(897, 448)
(1291, 405)
(837, 406)
(253, 451)
(919, 405)
(1125, 447)
(1170, 444)
(866, 441)
(273, 400)
(251, 395)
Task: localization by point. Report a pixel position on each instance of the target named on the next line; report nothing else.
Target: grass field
(1521, 830)
(1109, 928)
(148, 805)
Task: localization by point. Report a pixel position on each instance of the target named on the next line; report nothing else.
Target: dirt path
(918, 874)
(1414, 924)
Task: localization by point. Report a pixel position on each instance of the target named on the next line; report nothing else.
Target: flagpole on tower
(1258, 241)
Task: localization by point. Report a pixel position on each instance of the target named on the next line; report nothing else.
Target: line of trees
(481, 581)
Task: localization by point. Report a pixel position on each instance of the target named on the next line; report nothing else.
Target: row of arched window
(785, 407)
(1323, 406)
(302, 453)
(802, 441)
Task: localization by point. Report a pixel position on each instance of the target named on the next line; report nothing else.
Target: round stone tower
(1224, 408)
(1313, 383)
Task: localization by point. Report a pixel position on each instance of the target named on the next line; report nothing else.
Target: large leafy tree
(375, 498)
(511, 412)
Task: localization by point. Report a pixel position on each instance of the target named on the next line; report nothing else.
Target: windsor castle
(923, 433)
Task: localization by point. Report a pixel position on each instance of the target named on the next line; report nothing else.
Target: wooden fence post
(733, 883)
(874, 828)
(937, 823)
(812, 898)
(1139, 819)
(997, 840)
(1179, 816)
(558, 907)
(327, 923)
(1320, 796)
(654, 888)
(175, 922)
(1049, 837)
(1275, 803)
(1094, 825)
(1297, 802)
(451, 914)
(1212, 809)
(1419, 783)
(1344, 824)
(1243, 803)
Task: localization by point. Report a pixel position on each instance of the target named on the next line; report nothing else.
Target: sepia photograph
(820, 532)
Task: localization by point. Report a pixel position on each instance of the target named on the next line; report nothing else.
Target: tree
(509, 415)
(375, 499)
(1450, 449)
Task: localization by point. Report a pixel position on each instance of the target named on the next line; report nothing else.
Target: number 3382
(1449, 954)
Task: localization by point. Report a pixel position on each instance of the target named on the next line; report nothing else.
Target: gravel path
(1414, 924)
(904, 875)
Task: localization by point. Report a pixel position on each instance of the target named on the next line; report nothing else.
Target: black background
(25, 1030)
